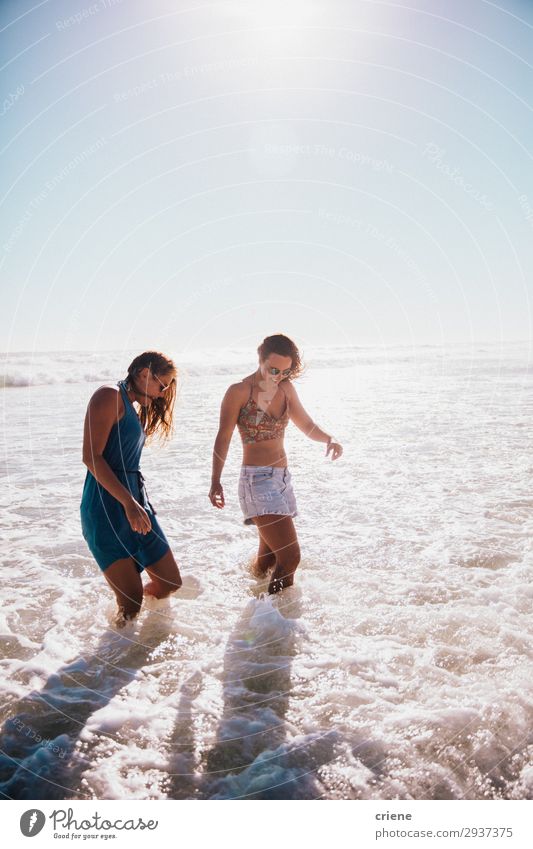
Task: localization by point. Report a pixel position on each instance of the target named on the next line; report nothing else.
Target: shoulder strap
(126, 401)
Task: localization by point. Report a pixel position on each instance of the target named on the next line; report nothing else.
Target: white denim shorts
(266, 490)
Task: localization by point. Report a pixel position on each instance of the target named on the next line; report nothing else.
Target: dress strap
(128, 406)
(122, 388)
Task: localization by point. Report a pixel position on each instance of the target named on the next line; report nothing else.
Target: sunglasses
(275, 371)
(162, 387)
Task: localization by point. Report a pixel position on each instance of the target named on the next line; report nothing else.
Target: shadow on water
(257, 754)
(38, 755)
(181, 778)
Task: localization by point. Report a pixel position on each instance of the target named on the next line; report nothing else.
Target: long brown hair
(157, 418)
(285, 347)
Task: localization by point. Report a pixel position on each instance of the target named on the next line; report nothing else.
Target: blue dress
(103, 519)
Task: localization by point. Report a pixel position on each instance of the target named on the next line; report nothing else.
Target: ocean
(399, 665)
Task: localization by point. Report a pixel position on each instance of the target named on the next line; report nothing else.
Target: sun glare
(291, 13)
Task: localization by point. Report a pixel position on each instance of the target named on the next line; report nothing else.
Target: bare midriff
(268, 452)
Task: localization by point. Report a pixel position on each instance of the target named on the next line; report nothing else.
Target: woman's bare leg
(123, 577)
(165, 575)
(279, 535)
(266, 559)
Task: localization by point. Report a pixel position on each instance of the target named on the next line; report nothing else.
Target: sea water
(398, 667)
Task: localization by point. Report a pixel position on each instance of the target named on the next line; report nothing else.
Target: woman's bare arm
(229, 413)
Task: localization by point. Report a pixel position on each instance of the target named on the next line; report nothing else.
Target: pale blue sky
(181, 175)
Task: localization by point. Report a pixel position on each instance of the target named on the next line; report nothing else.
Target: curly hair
(285, 347)
(157, 417)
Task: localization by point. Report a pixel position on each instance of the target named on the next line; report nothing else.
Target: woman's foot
(122, 619)
(279, 581)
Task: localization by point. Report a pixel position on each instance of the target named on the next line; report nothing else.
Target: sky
(182, 175)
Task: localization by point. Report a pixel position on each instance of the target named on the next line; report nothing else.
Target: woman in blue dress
(118, 522)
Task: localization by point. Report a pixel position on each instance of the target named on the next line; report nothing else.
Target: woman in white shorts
(261, 406)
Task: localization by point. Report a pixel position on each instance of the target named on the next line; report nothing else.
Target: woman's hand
(216, 495)
(137, 517)
(335, 448)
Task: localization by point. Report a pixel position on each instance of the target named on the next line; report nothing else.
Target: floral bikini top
(255, 425)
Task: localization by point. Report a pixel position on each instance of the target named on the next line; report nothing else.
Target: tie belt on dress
(142, 485)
